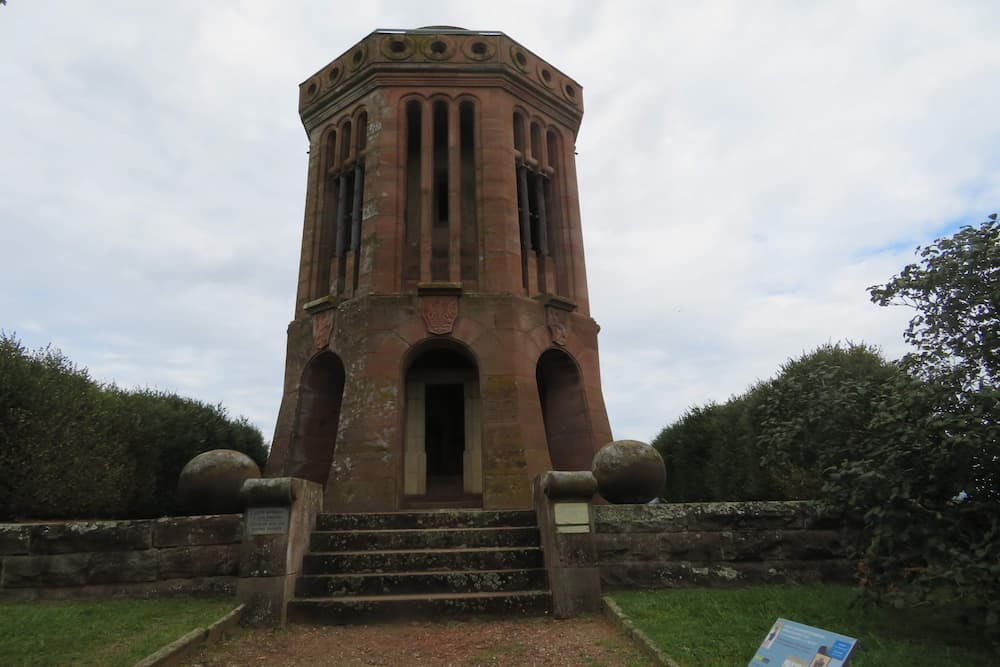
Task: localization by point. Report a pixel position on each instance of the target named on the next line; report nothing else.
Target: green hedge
(775, 441)
(71, 447)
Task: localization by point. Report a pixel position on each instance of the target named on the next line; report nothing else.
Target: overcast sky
(746, 170)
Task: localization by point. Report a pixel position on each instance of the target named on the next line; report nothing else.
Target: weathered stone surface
(629, 472)
(217, 560)
(640, 518)
(565, 485)
(264, 599)
(264, 556)
(781, 545)
(269, 491)
(659, 547)
(13, 539)
(668, 517)
(79, 569)
(750, 515)
(210, 482)
(84, 536)
(639, 575)
(715, 544)
(576, 549)
(197, 530)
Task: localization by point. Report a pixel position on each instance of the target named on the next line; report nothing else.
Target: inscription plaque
(267, 520)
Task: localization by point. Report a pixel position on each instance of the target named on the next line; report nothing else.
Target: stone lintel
(439, 289)
(321, 304)
(556, 302)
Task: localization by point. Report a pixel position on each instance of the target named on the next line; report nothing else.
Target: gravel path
(587, 642)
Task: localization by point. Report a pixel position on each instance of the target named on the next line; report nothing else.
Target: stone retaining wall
(178, 556)
(715, 544)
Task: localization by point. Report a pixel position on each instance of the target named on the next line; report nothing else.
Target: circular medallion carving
(478, 49)
(358, 57)
(397, 47)
(519, 58)
(570, 92)
(546, 77)
(334, 73)
(438, 47)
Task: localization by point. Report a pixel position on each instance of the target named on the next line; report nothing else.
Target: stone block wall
(177, 556)
(715, 544)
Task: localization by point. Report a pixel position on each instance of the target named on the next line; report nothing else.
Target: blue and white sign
(791, 644)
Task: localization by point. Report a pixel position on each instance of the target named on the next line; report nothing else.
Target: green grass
(102, 633)
(723, 628)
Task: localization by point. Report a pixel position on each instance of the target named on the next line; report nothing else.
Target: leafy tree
(923, 506)
(955, 289)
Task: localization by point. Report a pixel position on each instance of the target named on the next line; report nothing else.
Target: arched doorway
(443, 458)
(320, 395)
(564, 411)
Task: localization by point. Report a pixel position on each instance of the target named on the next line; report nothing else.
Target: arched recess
(564, 411)
(321, 393)
(443, 457)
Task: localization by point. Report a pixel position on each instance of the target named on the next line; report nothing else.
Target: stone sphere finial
(210, 482)
(629, 472)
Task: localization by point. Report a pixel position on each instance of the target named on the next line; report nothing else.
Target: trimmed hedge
(775, 441)
(71, 447)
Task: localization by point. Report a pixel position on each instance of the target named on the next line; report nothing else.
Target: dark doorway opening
(564, 412)
(444, 438)
(320, 396)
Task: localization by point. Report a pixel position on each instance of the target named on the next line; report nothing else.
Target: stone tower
(442, 350)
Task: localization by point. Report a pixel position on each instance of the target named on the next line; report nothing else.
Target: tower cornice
(441, 55)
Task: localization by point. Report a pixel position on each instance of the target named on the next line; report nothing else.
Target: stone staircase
(421, 564)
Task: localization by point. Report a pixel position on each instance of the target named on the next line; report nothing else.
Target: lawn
(100, 633)
(722, 628)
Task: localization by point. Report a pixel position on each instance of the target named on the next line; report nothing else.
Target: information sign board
(791, 644)
(267, 520)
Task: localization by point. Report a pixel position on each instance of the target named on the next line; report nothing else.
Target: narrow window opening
(555, 214)
(345, 145)
(362, 134)
(536, 142)
(326, 232)
(518, 133)
(470, 240)
(538, 208)
(345, 225)
(439, 213)
(411, 255)
(533, 211)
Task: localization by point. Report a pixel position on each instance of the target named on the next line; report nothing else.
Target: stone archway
(321, 393)
(564, 411)
(443, 453)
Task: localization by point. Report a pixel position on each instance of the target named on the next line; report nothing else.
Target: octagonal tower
(442, 350)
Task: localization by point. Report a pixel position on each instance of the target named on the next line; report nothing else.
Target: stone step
(413, 583)
(431, 538)
(423, 560)
(449, 518)
(365, 609)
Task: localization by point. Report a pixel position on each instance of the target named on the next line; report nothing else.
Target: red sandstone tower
(442, 350)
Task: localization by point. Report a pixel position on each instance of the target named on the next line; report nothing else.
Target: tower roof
(445, 53)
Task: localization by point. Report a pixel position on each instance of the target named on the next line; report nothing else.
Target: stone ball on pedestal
(210, 482)
(629, 472)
